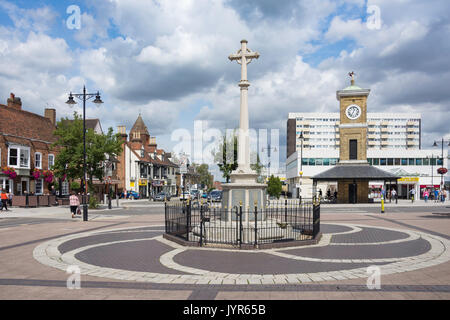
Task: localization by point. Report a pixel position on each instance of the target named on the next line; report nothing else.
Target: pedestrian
(329, 194)
(74, 203)
(320, 193)
(4, 198)
(10, 197)
(413, 194)
(436, 195)
(394, 193)
(335, 196)
(425, 195)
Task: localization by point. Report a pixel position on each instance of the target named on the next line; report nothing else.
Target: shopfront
(405, 185)
(143, 188)
(430, 188)
(375, 188)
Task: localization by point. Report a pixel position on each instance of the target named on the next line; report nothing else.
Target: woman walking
(74, 204)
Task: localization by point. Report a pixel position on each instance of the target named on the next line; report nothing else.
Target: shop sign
(131, 183)
(409, 179)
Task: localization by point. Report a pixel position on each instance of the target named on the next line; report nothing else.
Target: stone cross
(244, 56)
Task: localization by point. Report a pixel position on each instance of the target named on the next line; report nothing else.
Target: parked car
(185, 196)
(215, 195)
(130, 195)
(162, 196)
(195, 194)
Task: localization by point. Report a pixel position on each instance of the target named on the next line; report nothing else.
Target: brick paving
(23, 277)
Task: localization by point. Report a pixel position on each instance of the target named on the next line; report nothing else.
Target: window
(353, 147)
(24, 158)
(439, 162)
(6, 184)
(38, 160)
(426, 161)
(382, 161)
(12, 160)
(305, 161)
(319, 162)
(404, 162)
(143, 171)
(326, 162)
(397, 161)
(312, 161)
(39, 186)
(433, 161)
(333, 161)
(65, 187)
(418, 162)
(411, 161)
(369, 160)
(376, 161)
(390, 161)
(19, 156)
(51, 160)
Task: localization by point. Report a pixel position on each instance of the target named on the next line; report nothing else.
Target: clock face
(353, 112)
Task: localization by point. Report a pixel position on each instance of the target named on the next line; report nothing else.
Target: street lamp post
(84, 96)
(442, 157)
(269, 148)
(301, 163)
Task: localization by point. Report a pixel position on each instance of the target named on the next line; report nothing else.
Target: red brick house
(26, 155)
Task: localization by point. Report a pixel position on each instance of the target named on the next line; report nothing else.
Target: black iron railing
(237, 226)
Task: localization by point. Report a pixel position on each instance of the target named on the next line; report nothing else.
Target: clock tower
(353, 123)
(353, 173)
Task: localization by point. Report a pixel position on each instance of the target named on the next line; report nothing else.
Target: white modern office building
(393, 145)
(384, 131)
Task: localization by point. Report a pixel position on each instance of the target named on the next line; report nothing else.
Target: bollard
(382, 204)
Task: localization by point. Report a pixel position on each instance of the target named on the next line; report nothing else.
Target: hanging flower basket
(9, 172)
(442, 170)
(36, 173)
(48, 176)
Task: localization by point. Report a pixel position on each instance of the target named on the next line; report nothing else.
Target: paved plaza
(121, 254)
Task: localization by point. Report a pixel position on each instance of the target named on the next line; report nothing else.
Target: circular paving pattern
(344, 252)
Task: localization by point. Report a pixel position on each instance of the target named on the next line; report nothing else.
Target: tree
(227, 159)
(258, 166)
(99, 148)
(206, 178)
(274, 187)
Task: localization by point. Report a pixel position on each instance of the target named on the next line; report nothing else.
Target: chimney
(122, 131)
(51, 115)
(152, 142)
(14, 102)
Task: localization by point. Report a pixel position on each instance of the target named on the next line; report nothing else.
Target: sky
(168, 61)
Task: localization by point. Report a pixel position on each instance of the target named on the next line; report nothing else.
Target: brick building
(25, 148)
(142, 167)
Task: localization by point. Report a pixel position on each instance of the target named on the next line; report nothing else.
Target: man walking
(413, 194)
(4, 198)
(394, 195)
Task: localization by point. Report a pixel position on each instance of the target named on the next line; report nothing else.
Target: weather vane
(352, 74)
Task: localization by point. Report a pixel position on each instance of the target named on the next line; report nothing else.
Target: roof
(352, 87)
(139, 126)
(90, 123)
(360, 172)
(25, 125)
(136, 149)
